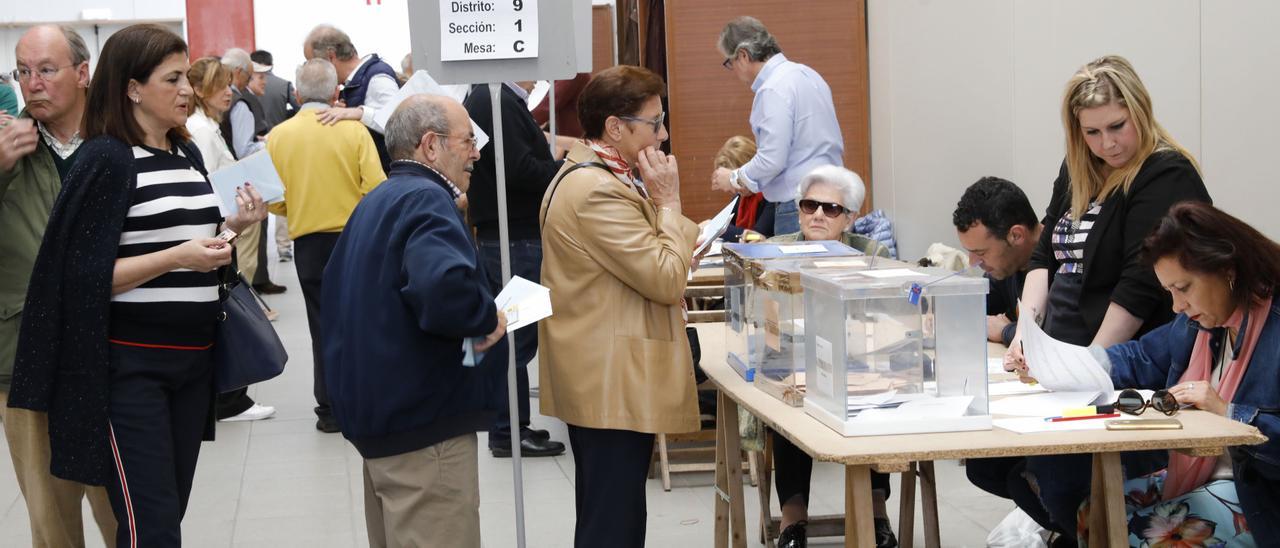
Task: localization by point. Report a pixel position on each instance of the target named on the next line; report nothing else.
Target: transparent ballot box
(895, 350)
(764, 322)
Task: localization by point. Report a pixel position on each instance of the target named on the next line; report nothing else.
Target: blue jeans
(526, 262)
(786, 217)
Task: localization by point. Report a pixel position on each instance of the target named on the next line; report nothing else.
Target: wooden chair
(693, 452)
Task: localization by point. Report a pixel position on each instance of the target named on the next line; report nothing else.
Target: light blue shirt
(794, 122)
(242, 136)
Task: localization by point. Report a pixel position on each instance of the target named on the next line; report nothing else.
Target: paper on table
(1046, 404)
(796, 249)
(995, 366)
(257, 169)
(420, 82)
(840, 263)
(1029, 425)
(523, 302)
(893, 273)
(1058, 365)
(715, 227)
(1013, 388)
(921, 408)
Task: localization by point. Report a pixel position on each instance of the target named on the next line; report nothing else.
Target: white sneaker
(255, 413)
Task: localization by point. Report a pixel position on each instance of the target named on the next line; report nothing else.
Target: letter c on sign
(518, 46)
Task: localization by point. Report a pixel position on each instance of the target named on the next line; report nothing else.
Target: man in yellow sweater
(326, 170)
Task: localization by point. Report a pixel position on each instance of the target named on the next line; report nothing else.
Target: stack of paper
(1060, 366)
(715, 227)
(421, 82)
(257, 169)
(523, 302)
(1047, 404)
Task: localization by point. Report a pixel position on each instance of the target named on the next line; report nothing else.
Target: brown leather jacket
(614, 354)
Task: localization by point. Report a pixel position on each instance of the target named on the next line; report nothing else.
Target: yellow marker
(1080, 411)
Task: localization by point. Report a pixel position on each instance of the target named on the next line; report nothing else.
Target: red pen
(1082, 417)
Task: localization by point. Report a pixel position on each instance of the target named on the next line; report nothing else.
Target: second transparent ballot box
(896, 350)
(763, 309)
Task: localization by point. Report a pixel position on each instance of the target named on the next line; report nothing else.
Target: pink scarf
(1187, 473)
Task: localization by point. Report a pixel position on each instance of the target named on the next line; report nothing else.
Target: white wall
(281, 26)
(960, 90)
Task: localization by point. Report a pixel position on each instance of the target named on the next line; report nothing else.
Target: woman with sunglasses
(1220, 354)
(829, 198)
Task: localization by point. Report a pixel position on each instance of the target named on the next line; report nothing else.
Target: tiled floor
(279, 482)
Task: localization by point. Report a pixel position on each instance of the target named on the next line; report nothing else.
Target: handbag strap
(556, 184)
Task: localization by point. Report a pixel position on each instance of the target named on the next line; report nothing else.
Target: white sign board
(479, 30)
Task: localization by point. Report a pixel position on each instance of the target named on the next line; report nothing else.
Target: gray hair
(236, 58)
(748, 33)
(416, 116)
(847, 182)
(316, 81)
(324, 38)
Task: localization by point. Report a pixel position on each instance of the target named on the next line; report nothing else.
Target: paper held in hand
(523, 302)
(421, 82)
(257, 169)
(715, 227)
(1060, 366)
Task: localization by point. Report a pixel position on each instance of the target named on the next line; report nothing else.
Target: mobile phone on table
(1141, 424)
(228, 235)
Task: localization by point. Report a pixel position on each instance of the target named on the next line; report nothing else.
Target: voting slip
(715, 227)
(257, 169)
(420, 82)
(1060, 366)
(523, 302)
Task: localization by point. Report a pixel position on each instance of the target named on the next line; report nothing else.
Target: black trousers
(311, 254)
(1003, 477)
(610, 471)
(793, 468)
(526, 262)
(159, 407)
(233, 403)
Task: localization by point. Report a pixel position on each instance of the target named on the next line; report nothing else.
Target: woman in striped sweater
(125, 302)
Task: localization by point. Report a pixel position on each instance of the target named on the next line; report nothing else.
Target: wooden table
(1203, 434)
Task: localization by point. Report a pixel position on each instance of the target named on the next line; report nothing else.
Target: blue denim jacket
(1159, 358)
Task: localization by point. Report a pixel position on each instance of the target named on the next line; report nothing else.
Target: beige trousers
(53, 503)
(425, 498)
(247, 251)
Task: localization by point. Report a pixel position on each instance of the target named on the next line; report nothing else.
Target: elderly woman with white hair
(829, 198)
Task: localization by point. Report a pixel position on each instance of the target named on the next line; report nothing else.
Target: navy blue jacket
(353, 95)
(1159, 359)
(401, 291)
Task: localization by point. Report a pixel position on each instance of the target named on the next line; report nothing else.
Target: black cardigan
(529, 166)
(1113, 267)
(63, 356)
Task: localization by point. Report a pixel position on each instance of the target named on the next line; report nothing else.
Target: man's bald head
(416, 116)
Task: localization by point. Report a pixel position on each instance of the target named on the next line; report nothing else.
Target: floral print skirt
(1208, 516)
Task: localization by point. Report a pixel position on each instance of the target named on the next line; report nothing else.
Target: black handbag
(247, 349)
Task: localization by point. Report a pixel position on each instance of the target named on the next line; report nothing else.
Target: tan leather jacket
(614, 354)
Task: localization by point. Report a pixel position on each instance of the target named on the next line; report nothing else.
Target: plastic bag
(1017, 530)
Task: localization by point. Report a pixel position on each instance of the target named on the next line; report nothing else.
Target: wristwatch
(733, 180)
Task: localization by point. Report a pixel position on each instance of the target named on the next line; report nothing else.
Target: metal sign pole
(504, 241)
(551, 116)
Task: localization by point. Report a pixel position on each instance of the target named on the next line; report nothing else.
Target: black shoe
(530, 447)
(794, 536)
(536, 434)
(269, 288)
(328, 425)
(884, 534)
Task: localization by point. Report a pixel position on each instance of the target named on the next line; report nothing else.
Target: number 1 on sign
(519, 25)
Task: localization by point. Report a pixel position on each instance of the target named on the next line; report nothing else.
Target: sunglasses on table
(1132, 402)
(829, 209)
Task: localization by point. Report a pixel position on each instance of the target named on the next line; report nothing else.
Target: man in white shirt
(793, 119)
(368, 83)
